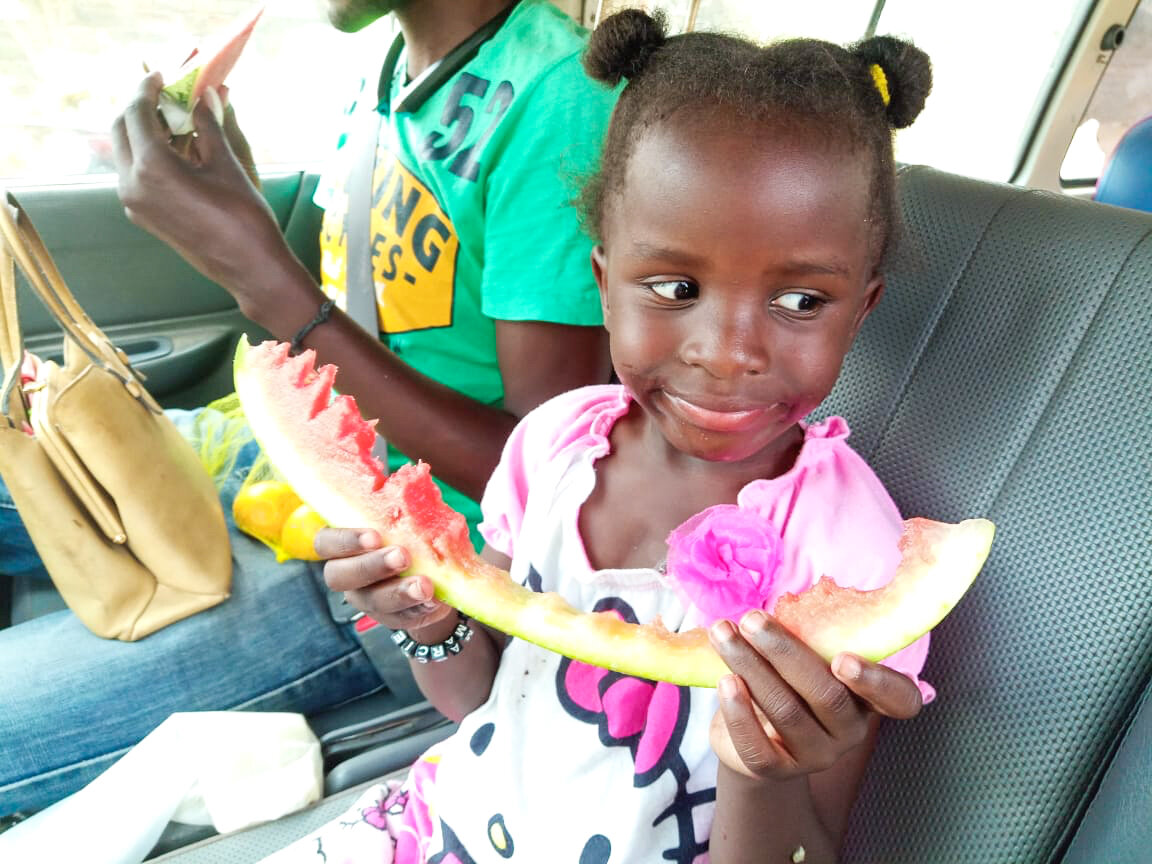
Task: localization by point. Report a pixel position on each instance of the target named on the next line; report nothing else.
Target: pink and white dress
(570, 762)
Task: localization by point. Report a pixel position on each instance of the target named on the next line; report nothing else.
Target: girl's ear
(873, 293)
(599, 269)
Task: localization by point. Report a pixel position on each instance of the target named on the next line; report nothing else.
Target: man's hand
(185, 145)
(197, 195)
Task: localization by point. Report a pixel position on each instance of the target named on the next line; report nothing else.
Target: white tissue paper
(229, 769)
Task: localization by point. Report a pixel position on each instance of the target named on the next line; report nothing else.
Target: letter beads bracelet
(434, 653)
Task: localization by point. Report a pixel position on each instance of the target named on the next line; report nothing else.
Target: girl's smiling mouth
(720, 418)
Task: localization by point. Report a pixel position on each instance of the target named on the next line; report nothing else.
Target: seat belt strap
(360, 286)
(359, 282)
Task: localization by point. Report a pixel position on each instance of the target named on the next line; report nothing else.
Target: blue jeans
(72, 703)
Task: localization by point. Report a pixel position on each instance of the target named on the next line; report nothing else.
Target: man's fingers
(241, 149)
(142, 118)
(887, 691)
(206, 118)
(121, 148)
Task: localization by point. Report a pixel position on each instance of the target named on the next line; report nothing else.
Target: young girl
(744, 206)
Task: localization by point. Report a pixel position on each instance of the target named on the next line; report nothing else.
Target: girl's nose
(730, 344)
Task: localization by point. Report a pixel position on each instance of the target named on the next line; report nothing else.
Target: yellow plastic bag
(265, 506)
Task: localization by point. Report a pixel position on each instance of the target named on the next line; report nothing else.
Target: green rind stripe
(181, 91)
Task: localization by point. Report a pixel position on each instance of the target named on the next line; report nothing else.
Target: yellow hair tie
(881, 82)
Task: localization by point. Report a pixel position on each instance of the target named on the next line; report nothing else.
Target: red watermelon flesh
(203, 69)
(323, 448)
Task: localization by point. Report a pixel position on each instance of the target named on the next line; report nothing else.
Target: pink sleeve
(506, 494)
(537, 439)
(838, 520)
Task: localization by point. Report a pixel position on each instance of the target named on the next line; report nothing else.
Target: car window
(68, 67)
(1122, 98)
(993, 63)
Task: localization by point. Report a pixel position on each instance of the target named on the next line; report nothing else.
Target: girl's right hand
(373, 579)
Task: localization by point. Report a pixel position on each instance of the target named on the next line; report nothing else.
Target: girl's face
(735, 271)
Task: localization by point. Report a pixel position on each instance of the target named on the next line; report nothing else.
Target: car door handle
(141, 351)
(176, 361)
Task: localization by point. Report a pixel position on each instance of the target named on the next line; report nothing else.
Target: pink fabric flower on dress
(724, 561)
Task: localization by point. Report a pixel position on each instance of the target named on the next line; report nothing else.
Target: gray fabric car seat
(1008, 374)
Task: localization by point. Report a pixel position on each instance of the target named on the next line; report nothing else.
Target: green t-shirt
(472, 215)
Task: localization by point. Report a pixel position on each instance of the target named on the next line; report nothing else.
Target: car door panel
(179, 328)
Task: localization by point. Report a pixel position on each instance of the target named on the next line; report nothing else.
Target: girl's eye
(677, 289)
(795, 301)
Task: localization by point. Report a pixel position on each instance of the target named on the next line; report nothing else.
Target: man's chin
(349, 16)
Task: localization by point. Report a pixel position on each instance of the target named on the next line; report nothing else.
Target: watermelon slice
(203, 69)
(323, 448)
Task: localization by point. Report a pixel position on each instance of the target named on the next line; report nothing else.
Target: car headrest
(1126, 180)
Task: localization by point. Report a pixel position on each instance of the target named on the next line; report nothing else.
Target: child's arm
(793, 737)
(369, 574)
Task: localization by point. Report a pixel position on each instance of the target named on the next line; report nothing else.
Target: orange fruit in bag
(261, 509)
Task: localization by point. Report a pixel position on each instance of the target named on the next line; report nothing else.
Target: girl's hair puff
(850, 97)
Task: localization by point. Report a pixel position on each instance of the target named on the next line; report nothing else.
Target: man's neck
(432, 28)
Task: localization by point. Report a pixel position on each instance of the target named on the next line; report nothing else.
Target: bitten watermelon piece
(203, 69)
(323, 448)
(938, 563)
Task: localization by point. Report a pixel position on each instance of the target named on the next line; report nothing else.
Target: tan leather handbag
(125, 518)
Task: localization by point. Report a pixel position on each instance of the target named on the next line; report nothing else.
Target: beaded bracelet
(422, 653)
(321, 316)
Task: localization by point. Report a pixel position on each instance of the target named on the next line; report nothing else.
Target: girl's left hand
(786, 712)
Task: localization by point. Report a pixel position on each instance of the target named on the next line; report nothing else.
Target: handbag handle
(46, 281)
(12, 404)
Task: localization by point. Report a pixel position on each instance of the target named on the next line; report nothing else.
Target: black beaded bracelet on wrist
(322, 315)
(434, 653)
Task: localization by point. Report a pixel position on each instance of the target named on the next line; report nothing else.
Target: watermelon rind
(178, 99)
(180, 91)
(176, 112)
(939, 563)
(296, 463)
(940, 560)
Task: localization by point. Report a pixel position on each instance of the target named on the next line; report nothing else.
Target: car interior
(1006, 374)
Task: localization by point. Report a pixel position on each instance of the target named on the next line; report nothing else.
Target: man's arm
(460, 437)
(210, 213)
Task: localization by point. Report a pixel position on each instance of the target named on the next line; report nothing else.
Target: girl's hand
(370, 575)
(788, 713)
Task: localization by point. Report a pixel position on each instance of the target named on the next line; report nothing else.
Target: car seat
(1126, 180)
(1006, 374)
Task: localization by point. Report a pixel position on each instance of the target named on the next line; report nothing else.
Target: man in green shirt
(476, 250)
(486, 307)
(486, 301)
